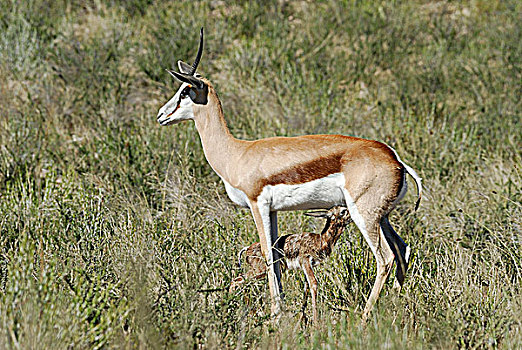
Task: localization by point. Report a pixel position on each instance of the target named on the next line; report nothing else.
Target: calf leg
(312, 283)
(306, 291)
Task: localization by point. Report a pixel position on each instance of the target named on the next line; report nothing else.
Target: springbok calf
(297, 173)
(301, 251)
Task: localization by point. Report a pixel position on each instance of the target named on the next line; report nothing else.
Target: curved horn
(198, 56)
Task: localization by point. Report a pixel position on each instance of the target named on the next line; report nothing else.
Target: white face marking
(322, 193)
(357, 218)
(178, 109)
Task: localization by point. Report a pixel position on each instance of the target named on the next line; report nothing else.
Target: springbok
(301, 251)
(296, 173)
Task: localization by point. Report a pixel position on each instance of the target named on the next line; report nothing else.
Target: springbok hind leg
(400, 249)
(368, 222)
(384, 257)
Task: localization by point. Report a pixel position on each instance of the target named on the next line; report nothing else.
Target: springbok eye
(185, 92)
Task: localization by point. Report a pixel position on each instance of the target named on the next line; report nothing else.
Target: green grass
(115, 232)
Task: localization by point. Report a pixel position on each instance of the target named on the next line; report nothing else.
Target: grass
(115, 232)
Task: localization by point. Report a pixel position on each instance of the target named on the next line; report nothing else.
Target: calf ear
(317, 214)
(184, 67)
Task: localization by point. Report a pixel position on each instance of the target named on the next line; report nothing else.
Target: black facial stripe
(184, 93)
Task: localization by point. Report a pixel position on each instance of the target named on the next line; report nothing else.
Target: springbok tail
(416, 177)
(418, 182)
(239, 255)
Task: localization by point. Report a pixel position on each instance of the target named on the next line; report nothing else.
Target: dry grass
(115, 232)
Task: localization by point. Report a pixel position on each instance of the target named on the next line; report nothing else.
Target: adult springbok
(298, 173)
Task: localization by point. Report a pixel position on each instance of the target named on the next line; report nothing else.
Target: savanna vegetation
(115, 232)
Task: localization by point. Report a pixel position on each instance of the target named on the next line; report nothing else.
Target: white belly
(237, 196)
(322, 193)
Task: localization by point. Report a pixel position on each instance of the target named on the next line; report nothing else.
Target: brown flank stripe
(302, 173)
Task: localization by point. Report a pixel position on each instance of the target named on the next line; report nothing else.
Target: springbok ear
(317, 214)
(189, 79)
(184, 67)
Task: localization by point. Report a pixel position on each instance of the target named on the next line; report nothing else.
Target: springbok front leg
(277, 253)
(267, 230)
